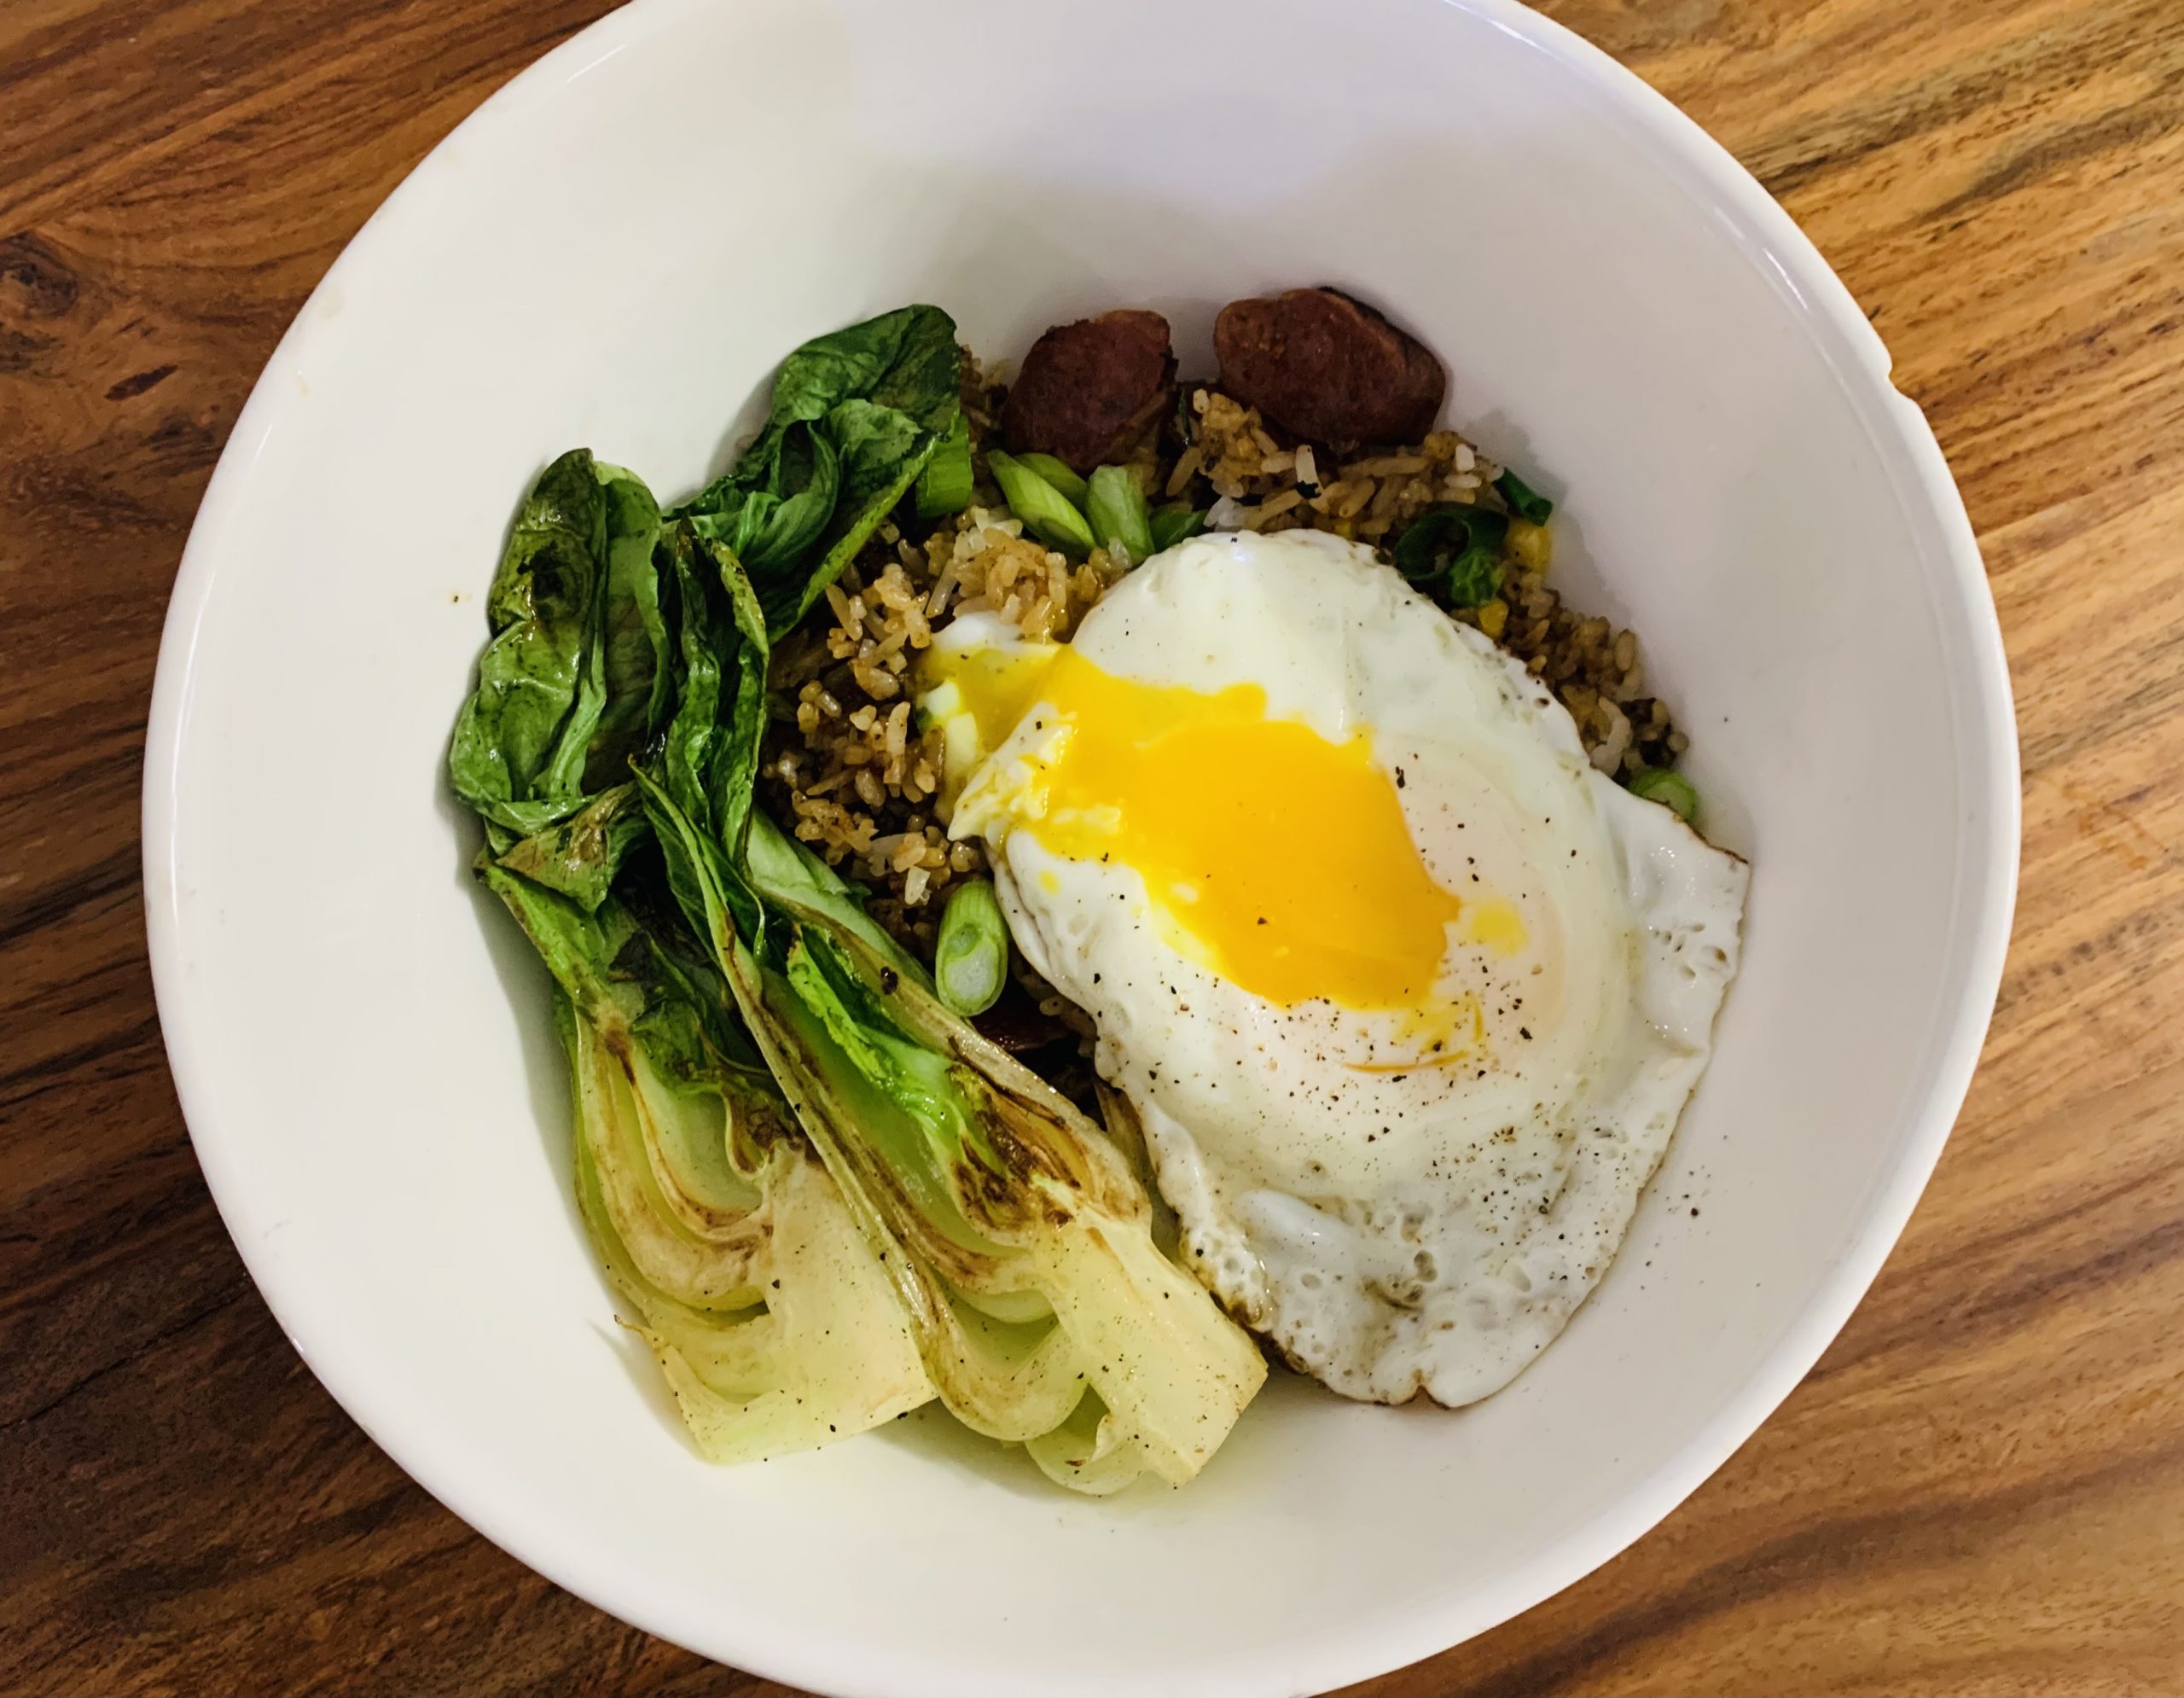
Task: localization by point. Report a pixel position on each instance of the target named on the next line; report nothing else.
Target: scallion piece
(1121, 519)
(1057, 472)
(1526, 502)
(1672, 790)
(944, 486)
(1175, 522)
(971, 959)
(1046, 512)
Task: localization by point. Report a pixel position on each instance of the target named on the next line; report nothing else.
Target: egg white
(1427, 1227)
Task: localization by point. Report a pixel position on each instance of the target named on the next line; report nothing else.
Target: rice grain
(852, 774)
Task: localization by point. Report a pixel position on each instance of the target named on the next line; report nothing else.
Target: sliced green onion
(1455, 549)
(971, 959)
(1045, 510)
(944, 486)
(1672, 790)
(1057, 472)
(1526, 502)
(1173, 523)
(1121, 519)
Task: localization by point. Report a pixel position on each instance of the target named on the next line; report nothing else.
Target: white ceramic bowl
(614, 252)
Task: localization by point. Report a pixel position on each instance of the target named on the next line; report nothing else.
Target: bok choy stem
(1017, 1238)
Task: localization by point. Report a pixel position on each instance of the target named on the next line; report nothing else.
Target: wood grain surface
(1981, 1487)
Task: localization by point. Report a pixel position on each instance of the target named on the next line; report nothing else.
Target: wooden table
(1981, 1487)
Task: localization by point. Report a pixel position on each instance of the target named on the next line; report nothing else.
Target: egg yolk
(1283, 857)
(998, 685)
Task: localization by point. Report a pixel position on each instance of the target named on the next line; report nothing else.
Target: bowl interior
(615, 253)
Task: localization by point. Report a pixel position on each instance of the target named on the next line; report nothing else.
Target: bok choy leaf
(856, 416)
(1017, 1240)
(727, 1241)
(573, 674)
(711, 1216)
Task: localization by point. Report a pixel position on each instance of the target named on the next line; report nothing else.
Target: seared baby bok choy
(1017, 1239)
(716, 1225)
(820, 1193)
(714, 1221)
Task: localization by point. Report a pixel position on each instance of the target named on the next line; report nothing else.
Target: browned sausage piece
(1088, 390)
(1015, 1022)
(1328, 369)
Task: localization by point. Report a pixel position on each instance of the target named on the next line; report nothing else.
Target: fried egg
(1408, 997)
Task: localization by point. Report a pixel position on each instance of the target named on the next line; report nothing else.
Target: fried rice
(853, 773)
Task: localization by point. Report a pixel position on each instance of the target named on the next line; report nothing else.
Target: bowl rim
(1986, 890)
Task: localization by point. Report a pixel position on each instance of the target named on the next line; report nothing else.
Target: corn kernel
(1494, 617)
(1532, 544)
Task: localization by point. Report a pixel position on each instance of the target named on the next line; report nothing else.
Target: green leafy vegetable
(1118, 514)
(945, 485)
(714, 1220)
(572, 675)
(1526, 502)
(1047, 513)
(1175, 522)
(855, 417)
(1016, 1237)
(1474, 577)
(578, 857)
(726, 1239)
(1672, 789)
(1019, 1242)
(1457, 551)
(970, 960)
(1058, 473)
